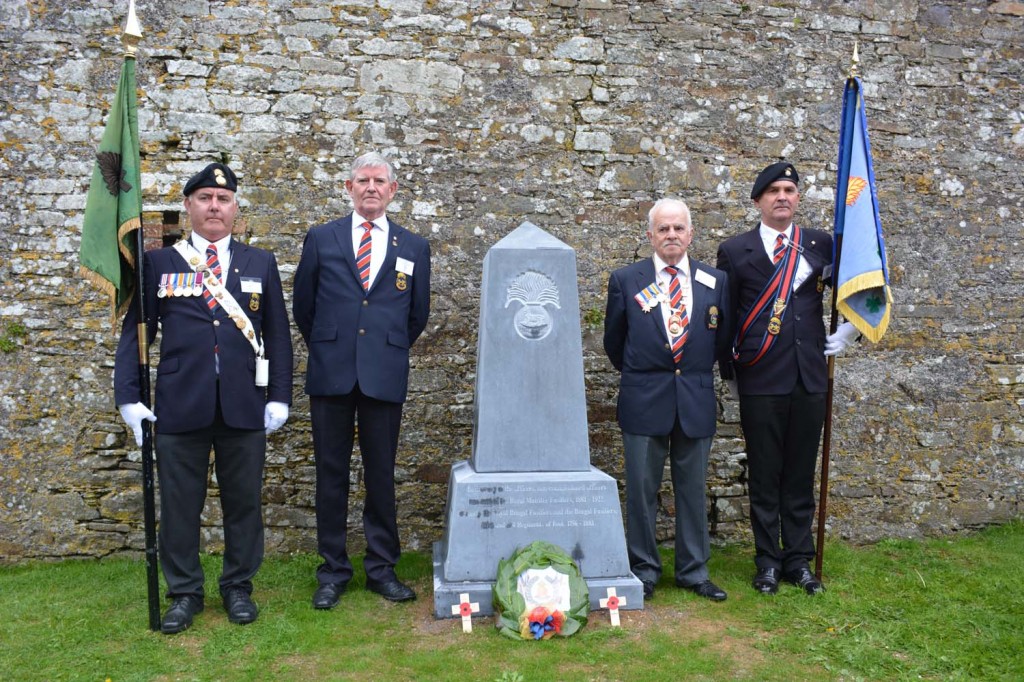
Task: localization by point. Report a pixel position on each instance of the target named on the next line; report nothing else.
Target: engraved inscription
(534, 290)
(526, 506)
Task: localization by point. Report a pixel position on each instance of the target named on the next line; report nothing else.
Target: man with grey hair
(664, 327)
(361, 298)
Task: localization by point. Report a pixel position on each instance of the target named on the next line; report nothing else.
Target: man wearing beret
(224, 381)
(777, 366)
(361, 299)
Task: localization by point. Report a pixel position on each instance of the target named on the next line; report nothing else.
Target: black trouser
(782, 434)
(183, 466)
(334, 420)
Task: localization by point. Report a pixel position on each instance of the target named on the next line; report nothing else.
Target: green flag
(113, 209)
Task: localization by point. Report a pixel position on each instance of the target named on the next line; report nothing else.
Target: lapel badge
(713, 317)
(254, 302)
(394, 240)
(400, 282)
(821, 284)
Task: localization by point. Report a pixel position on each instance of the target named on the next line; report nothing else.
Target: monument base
(490, 515)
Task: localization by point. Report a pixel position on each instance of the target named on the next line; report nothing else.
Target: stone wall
(574, 115)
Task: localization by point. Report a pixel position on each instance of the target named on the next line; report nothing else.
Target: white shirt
(768, 237)
(223, 253)
(378, 241)
(664, 282)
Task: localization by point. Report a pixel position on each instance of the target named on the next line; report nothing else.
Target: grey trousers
(645, 464)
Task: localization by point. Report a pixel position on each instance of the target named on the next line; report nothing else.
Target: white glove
(133, 414)
(274, 416)
(841, 340)
(734, 389)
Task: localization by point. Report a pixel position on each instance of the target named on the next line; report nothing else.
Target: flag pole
(826, 445)
(131, 37)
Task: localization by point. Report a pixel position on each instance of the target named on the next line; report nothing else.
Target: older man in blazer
(219, 308)
(664, 328)
(777, 273)
(361, 299)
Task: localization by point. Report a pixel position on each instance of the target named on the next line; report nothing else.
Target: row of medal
(180, 284)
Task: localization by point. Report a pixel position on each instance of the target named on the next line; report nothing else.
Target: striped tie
(675, 295)
(214, 266)
(363, 256)
(780, 248)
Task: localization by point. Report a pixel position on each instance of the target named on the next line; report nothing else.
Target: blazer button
(362, 332)
(678, 372)
(216, 323)
(365, 302)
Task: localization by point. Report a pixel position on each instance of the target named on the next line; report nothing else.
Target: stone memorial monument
(529, 477)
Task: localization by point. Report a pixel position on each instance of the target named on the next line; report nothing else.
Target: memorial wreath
(540, 593)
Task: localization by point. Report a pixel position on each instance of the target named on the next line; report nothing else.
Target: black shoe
(767, 580)
(179, 616)
(328, 594)
(240, 607)
(804, 579)
(392, 590)
(648, 589)
(706, 589)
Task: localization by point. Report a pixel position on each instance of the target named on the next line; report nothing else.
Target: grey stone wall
(574, 115)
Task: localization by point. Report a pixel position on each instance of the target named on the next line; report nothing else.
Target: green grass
(898, 610)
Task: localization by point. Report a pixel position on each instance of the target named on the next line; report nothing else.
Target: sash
(773, 297)
(223, 298)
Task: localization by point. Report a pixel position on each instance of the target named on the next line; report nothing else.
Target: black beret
(214, 175)
(783, 170)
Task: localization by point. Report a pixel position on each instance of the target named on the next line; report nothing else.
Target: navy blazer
(799, 349)
(355, 336)
(652, 395)
(187, 382)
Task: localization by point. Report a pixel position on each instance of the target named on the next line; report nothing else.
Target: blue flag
(862, 280)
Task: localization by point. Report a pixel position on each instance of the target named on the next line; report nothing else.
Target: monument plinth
(529, 476)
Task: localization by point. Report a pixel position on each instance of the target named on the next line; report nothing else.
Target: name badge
(404, 265)
(252, 285)
(705, 279)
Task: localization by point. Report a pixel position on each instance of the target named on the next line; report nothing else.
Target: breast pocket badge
(713, 317)
(401, 282)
